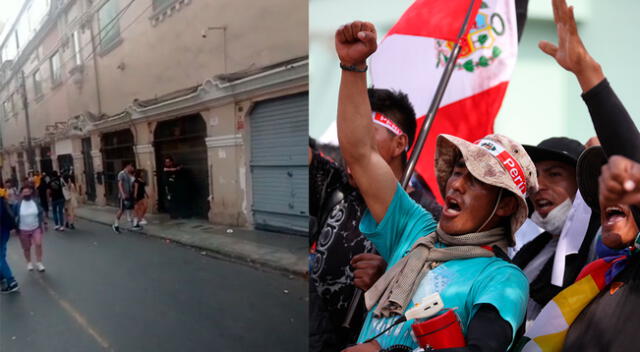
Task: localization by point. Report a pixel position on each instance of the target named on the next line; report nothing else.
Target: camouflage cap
(496, 160)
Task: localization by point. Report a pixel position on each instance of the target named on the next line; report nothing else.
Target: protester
(125, 193)
(43, 191)
(342, 258)
(31, 226)
(599, 312)
(140, 197)
(7, 224)
(484, 206)
(57, 200)
(555, 160)
(71, 200)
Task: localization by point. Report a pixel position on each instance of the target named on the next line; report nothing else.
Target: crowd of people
(534, 249)
(25, 211)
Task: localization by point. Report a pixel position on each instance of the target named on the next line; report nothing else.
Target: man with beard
(484, 185)
(342, 259)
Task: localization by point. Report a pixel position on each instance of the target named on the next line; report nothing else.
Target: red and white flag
(412, 57)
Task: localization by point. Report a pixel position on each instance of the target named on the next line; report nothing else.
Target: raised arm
(355, 42)
(615, 128)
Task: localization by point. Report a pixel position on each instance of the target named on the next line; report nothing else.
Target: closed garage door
(279, 139)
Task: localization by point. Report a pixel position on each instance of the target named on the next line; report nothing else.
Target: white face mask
(554, 222)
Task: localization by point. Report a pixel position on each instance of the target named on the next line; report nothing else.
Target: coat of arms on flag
(483, 35)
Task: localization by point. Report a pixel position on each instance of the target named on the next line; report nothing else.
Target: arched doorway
(117, 150)
(183, 139)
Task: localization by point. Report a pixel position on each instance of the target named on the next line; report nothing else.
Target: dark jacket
(7, 221)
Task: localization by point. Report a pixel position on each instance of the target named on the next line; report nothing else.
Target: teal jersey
(463, 284)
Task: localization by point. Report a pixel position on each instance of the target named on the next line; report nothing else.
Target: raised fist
(620, 181)
(355, 42)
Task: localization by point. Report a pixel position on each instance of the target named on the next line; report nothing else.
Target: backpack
(55, 184)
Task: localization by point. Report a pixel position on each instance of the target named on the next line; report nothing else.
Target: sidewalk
(285, 253)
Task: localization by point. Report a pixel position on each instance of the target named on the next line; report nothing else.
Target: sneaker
(12, 287)
(72, 226)
(137, 228)
(115, 228)
(29, 266)
(143, 222)
(40, 267)
(61, 229)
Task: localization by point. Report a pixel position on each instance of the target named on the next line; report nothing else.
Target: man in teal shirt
(484, 185)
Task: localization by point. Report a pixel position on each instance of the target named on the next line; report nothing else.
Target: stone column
(145, 156)
(78, 172)
(38, 157)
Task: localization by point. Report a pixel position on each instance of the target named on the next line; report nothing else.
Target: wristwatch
(397, 348)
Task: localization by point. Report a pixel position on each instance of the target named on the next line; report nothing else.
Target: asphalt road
(108, 292)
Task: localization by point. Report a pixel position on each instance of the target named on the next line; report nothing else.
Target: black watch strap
(353, 68)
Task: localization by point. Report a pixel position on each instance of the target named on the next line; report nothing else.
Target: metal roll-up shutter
(279, 139)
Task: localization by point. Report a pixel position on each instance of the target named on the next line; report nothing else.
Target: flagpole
(437, 99)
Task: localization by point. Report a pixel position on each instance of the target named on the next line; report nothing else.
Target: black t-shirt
(610, 322)
(141, 189)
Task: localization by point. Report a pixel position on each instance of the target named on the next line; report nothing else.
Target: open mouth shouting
(614, 214)
(452, 207)
(543, 206)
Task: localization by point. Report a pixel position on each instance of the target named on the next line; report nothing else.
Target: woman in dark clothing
(43, 187)
(140, 196)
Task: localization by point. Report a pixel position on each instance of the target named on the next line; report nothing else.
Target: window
(109, 24)
(37, 83)
(12, 104)
(56, 72)
(77, 55)
(161, 4)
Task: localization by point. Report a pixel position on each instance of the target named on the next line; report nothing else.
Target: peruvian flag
(412, 57)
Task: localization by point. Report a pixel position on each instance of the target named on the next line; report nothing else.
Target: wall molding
(224, 141)
(143, 148)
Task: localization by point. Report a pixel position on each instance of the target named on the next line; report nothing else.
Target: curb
(236, 257)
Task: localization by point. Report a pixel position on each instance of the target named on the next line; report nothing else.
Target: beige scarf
(394, 290)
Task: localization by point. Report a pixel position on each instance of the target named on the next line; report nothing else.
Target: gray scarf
(394, 290)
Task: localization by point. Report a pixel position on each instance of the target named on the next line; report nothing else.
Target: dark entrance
(65, 164)
(183, 139)
(117, 150)
(46, 164)
(89, 177)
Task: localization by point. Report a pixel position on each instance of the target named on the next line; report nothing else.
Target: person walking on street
(31, 226)
(56, 195)
(7, 223)
(43, 191)
(125, 188)
(71, 201)
(140, 196)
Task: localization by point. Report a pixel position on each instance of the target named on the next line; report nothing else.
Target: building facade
(220, 86)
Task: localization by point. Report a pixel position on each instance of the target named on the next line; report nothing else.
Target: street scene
(153, 175)
(130, 292)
